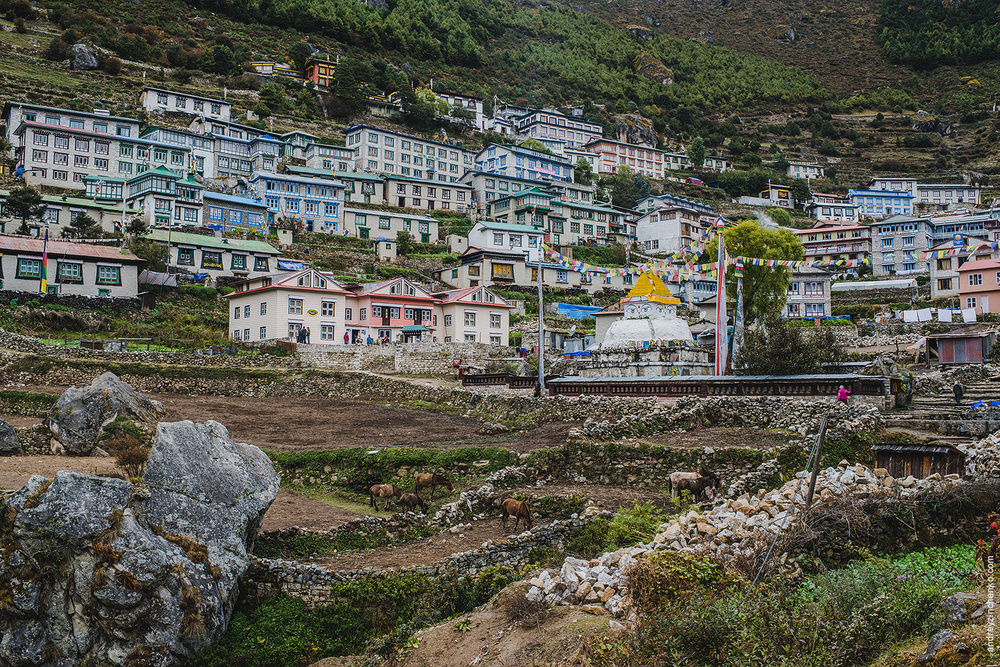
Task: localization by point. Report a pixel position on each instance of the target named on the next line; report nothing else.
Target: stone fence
(312, 583)
(408, 358)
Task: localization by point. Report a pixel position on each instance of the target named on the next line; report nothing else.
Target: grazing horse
(705, 485)
(430, 480)
(518, 510)
(677, 477)
(387, 491)
(410, 500)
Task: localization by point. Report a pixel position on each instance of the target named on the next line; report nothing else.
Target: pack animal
(704, 486)
(387, 491)
(410, 500)
(430, 480)
(517, 509)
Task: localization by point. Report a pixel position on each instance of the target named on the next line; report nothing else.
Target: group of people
(380, 340)
(302, 335)
(958, 390)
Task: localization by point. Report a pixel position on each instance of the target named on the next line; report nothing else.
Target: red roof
(979, 265)
(15, 244)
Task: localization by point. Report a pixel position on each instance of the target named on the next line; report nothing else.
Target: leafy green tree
(82, 226)
(24, 204)
(136, 227)
(582, 172)
(764, 287)
(155, 253)
(624, 191)
(780, 216)
(696, 152)
(220, 60)
(273, 97)
(801, 191)
(404, 242)
(773, 347)
(261, 110)
(298, 54)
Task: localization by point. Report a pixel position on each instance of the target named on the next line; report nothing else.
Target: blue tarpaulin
(578, 312)
(581, 353)
(289, 265)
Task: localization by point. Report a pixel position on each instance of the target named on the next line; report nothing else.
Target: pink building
(641, 160)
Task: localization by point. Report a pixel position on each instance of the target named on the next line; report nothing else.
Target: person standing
(347, 338)
(842, 394)
(959, 391)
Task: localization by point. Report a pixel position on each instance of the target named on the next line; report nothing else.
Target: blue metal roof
(233, 199)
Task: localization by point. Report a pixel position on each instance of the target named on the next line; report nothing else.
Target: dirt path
(291, 424)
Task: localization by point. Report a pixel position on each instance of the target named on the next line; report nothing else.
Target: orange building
(979, 285)
(320, 72)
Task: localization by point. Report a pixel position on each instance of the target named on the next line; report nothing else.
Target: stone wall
(70, 300)
(311, 583)
(408, 358)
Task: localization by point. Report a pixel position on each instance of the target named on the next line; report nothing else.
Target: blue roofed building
(524, 163)
(317, 203)
(233, 212)
(878, 204)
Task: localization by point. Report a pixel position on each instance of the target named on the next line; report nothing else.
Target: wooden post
(819, 454)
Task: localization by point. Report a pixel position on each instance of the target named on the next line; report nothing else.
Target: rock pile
(98, 570)
(78, 417)
(732, 528)
(982, 458)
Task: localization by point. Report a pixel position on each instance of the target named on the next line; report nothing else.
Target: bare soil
(293, 424)
(15, 471)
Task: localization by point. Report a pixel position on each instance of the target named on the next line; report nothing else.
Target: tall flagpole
(45, 259)
(738, 322)
(721, 330)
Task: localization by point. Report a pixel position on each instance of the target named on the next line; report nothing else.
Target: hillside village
(374, 334)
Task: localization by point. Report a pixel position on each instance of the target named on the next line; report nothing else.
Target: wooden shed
(920, 461)
(960, 348)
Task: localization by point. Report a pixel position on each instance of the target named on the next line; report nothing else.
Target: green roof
(257, 247)
(588, 207)
(77, 201)
(510, 227)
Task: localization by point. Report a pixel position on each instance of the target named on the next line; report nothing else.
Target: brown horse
(387, 491)
(430, 480)
(706, 485)
(518, 510)
(410, 500)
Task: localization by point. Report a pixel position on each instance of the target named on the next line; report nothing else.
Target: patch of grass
(630, 526)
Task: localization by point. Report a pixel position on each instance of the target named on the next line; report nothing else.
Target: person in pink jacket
(842, 394)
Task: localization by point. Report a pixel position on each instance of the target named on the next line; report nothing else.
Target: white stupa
(650, 318)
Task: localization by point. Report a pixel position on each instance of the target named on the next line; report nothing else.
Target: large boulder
(84, 56)
(78, 418)
(9, 444)
(98, 570)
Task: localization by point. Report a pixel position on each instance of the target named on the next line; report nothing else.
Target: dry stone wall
(410, 358)
(311, 583)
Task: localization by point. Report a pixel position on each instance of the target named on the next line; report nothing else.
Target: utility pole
(815, 468)
(541, 327)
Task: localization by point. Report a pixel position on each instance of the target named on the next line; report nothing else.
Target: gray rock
(935, 644)
(156, 564)
(78, 418)
(84, 56)
(9, 446)
(954, 609)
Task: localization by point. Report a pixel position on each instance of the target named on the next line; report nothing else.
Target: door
(985, 303)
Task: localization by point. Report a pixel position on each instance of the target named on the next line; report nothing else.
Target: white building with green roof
(217, 257)
(163, 198)
(61, 210)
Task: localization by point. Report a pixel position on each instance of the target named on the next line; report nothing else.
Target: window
(383, 223)
(814, 310)
(29, 268)
(295, 306)
(497, 238)
(70, 272)
(363, 314)
(347, 314)
(447, 320)
(109, 275)
(82, 145)
(495, 322)
(970, 302)
(562, 276)
(494, 340)
(39, 156)
(211, 259)
(328, 308)
(944, 264)
(975, 279)
(239, 263)
(326, 332)
(260, 264)
(945, 283)
(470, 338)
(236, 312)
(236, 334)
(41, 139)
(263, 333)
(470, 319)
(185, 256)
(246, 311)
(263, 309)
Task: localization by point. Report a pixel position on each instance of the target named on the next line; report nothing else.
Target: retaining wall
(311, 583)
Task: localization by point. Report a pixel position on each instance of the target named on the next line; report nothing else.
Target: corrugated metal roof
(257, 247)
(15, 244)
(925, 449)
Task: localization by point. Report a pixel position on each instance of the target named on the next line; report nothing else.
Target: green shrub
(630, 526)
